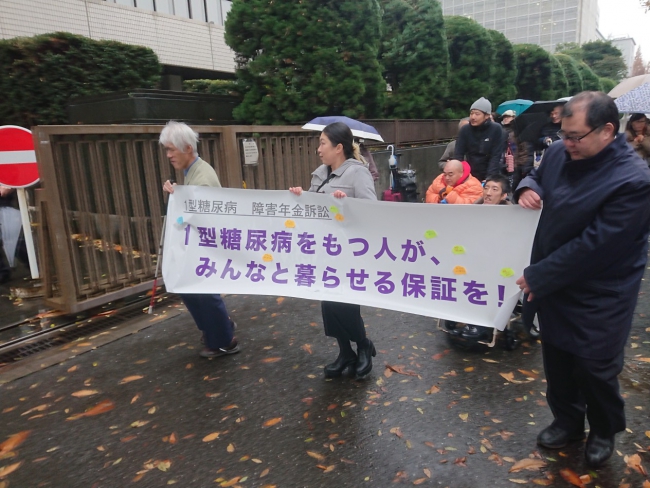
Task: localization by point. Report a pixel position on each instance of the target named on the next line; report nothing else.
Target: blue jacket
(590, 249)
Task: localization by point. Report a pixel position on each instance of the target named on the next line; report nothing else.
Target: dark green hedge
(41, 73)
(212, 87)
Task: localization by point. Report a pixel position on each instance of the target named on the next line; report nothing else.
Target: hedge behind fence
(38, 75)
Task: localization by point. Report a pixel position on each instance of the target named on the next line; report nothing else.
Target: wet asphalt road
(454, 418)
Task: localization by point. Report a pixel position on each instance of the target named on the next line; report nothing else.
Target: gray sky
(626, 18)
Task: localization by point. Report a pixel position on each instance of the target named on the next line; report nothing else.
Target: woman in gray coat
(342, 174)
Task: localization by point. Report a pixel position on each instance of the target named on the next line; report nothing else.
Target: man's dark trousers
(573, 381)
(211, 317)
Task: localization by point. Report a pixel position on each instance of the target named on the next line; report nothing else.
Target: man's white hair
(180, 135)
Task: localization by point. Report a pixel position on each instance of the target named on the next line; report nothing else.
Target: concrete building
(187, 35)
(628, 48)
(546, 23)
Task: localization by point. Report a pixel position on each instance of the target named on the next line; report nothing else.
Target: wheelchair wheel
(510, 340)
(452, 327)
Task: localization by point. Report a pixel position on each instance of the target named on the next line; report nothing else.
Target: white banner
(456, 262)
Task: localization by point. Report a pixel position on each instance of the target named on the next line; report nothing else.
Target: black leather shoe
(335, 369)
(599, 449)
(364, 362)
(554, 437)
(475, 333)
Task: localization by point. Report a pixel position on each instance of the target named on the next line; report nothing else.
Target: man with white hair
(208, 310)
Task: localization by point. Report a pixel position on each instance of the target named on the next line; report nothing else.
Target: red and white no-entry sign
(18, 166)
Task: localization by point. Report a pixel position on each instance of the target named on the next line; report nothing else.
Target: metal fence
(101, 202)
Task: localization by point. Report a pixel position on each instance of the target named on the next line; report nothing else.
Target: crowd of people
(588, 257)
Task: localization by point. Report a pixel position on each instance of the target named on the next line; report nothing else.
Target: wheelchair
(511, 337)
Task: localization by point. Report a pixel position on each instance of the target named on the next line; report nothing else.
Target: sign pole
(27, 232)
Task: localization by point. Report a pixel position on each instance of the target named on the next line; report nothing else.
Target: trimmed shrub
(415, 58)
(572, 73)
(40, 74)
(471, 57)
(297, 60)
(212, 87)
(534, 72)
(590, 80)
(607, 84)
(504, 70)
(560, 83)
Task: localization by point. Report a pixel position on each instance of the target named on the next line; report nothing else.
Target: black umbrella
(529, 124)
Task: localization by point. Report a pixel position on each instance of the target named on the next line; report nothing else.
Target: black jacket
(482, 147)
(590, 249)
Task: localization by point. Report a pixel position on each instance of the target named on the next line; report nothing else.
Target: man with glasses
(588, 258)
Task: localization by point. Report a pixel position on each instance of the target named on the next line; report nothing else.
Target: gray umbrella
(636, 100)
(628, 84)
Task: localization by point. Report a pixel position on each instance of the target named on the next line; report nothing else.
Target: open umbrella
(628, 84)
(529, 124)
(636, 100)
(10, 227)
(359, 129)
(518, 105)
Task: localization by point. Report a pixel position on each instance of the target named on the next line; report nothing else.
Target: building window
(197, 10)
(181, 8)
(145, 4)
(164, 6)
(204, 10)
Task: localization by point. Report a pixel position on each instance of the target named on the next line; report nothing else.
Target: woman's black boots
(365, 351)
(347, 358)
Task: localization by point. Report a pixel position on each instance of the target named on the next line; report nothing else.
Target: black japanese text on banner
(456, 262)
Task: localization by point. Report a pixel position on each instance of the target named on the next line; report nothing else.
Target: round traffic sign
(18, 166)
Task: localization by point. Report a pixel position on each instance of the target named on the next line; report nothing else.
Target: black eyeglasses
(562, 135)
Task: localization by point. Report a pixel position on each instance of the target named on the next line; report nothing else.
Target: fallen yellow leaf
(463, 416)
(129, 379)
(231, 482)
(316, 456)
(211, 437)
(527, 463)
(271, 360)
(84, 393)
(230, 448)
(7, 470)
(272, 422)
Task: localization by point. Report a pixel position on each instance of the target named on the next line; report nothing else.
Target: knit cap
(482, 104)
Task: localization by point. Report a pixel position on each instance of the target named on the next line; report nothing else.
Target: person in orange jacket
(455, 185)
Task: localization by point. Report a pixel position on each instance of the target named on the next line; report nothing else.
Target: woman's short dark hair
(502, 180)
(634, 118)
(600, 109)
(340, 133)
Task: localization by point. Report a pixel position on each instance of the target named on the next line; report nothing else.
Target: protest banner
(456, 262)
